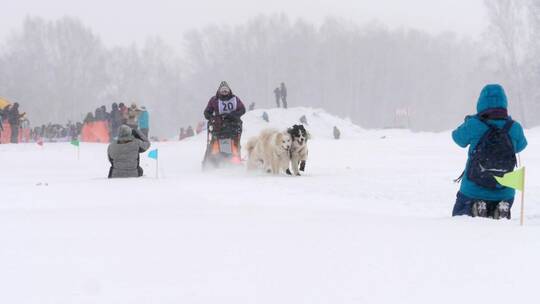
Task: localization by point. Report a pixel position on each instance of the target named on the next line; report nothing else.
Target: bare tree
(510, 34)
(56, 69)
(60, 70)
(534, 50)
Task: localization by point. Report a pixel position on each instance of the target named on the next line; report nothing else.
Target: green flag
(75, 142)
(515, 179)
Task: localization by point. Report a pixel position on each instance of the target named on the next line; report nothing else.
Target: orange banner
(5, 136)
(97, 131)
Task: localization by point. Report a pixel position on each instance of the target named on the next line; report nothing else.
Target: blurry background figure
(14, 119)
(101, 114)
(303, 120)
(265, 117)
(337, 133)
(189, 132)
(89, 118)
(144, 121)
(1, 122)
(106, 115)
(133, 116)
(251, 106)
(277, 93)
(182, 134)
(200, 127)
(283, 92)
(116, 121)
(124, 112)
(97, 114)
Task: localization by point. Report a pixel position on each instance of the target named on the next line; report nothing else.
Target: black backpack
(494, 155)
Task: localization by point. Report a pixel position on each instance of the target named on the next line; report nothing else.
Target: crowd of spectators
(15, 126)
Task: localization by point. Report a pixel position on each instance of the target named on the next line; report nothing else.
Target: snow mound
(319, 122)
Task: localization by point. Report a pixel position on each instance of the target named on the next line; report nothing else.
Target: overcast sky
(125, 21)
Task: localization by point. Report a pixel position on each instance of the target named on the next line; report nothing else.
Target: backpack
(494, 155)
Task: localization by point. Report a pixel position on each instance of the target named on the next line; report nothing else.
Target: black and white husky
(299, 149)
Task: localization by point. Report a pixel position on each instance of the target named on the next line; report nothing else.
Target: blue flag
(153, 154)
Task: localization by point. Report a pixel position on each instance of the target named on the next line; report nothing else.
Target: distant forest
(58, 70)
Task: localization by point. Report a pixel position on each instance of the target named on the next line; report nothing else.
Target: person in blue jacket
(144, 121)
(492, 108)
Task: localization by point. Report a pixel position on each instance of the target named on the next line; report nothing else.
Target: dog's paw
(288, 172)
(303, 166)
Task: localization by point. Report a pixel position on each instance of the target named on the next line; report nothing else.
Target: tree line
(59, 69)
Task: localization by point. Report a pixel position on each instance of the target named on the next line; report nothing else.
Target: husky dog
(271, 149)
(299, 149)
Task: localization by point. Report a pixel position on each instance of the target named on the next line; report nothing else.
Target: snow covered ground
(368, 223)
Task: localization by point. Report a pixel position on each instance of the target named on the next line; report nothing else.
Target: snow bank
(320, 123)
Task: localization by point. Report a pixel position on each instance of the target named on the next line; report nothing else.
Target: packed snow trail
(368, 223)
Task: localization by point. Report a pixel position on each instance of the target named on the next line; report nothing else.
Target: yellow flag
(3, 103)
(515, 179)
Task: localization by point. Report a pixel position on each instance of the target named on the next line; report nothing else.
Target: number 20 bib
(227, 106)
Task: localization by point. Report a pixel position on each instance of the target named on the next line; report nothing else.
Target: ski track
(368, 223)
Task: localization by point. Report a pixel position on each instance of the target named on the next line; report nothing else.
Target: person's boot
(502, 211)
(479, 209)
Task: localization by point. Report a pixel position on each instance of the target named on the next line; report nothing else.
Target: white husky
(271, 149)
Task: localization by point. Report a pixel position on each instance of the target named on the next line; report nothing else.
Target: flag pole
(522, 219)
(157, 168)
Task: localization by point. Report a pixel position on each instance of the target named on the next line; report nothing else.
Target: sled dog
(299, 149)
(271, 149)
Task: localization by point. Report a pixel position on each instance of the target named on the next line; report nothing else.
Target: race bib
(227, 106)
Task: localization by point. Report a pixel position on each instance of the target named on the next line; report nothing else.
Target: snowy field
(368, 223)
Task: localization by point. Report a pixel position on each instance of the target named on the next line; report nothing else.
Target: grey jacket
(124, 154)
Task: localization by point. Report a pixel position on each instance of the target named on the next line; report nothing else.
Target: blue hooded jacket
(470, 133)
(144, 120)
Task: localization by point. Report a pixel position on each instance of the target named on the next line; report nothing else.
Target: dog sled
(223, 142)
